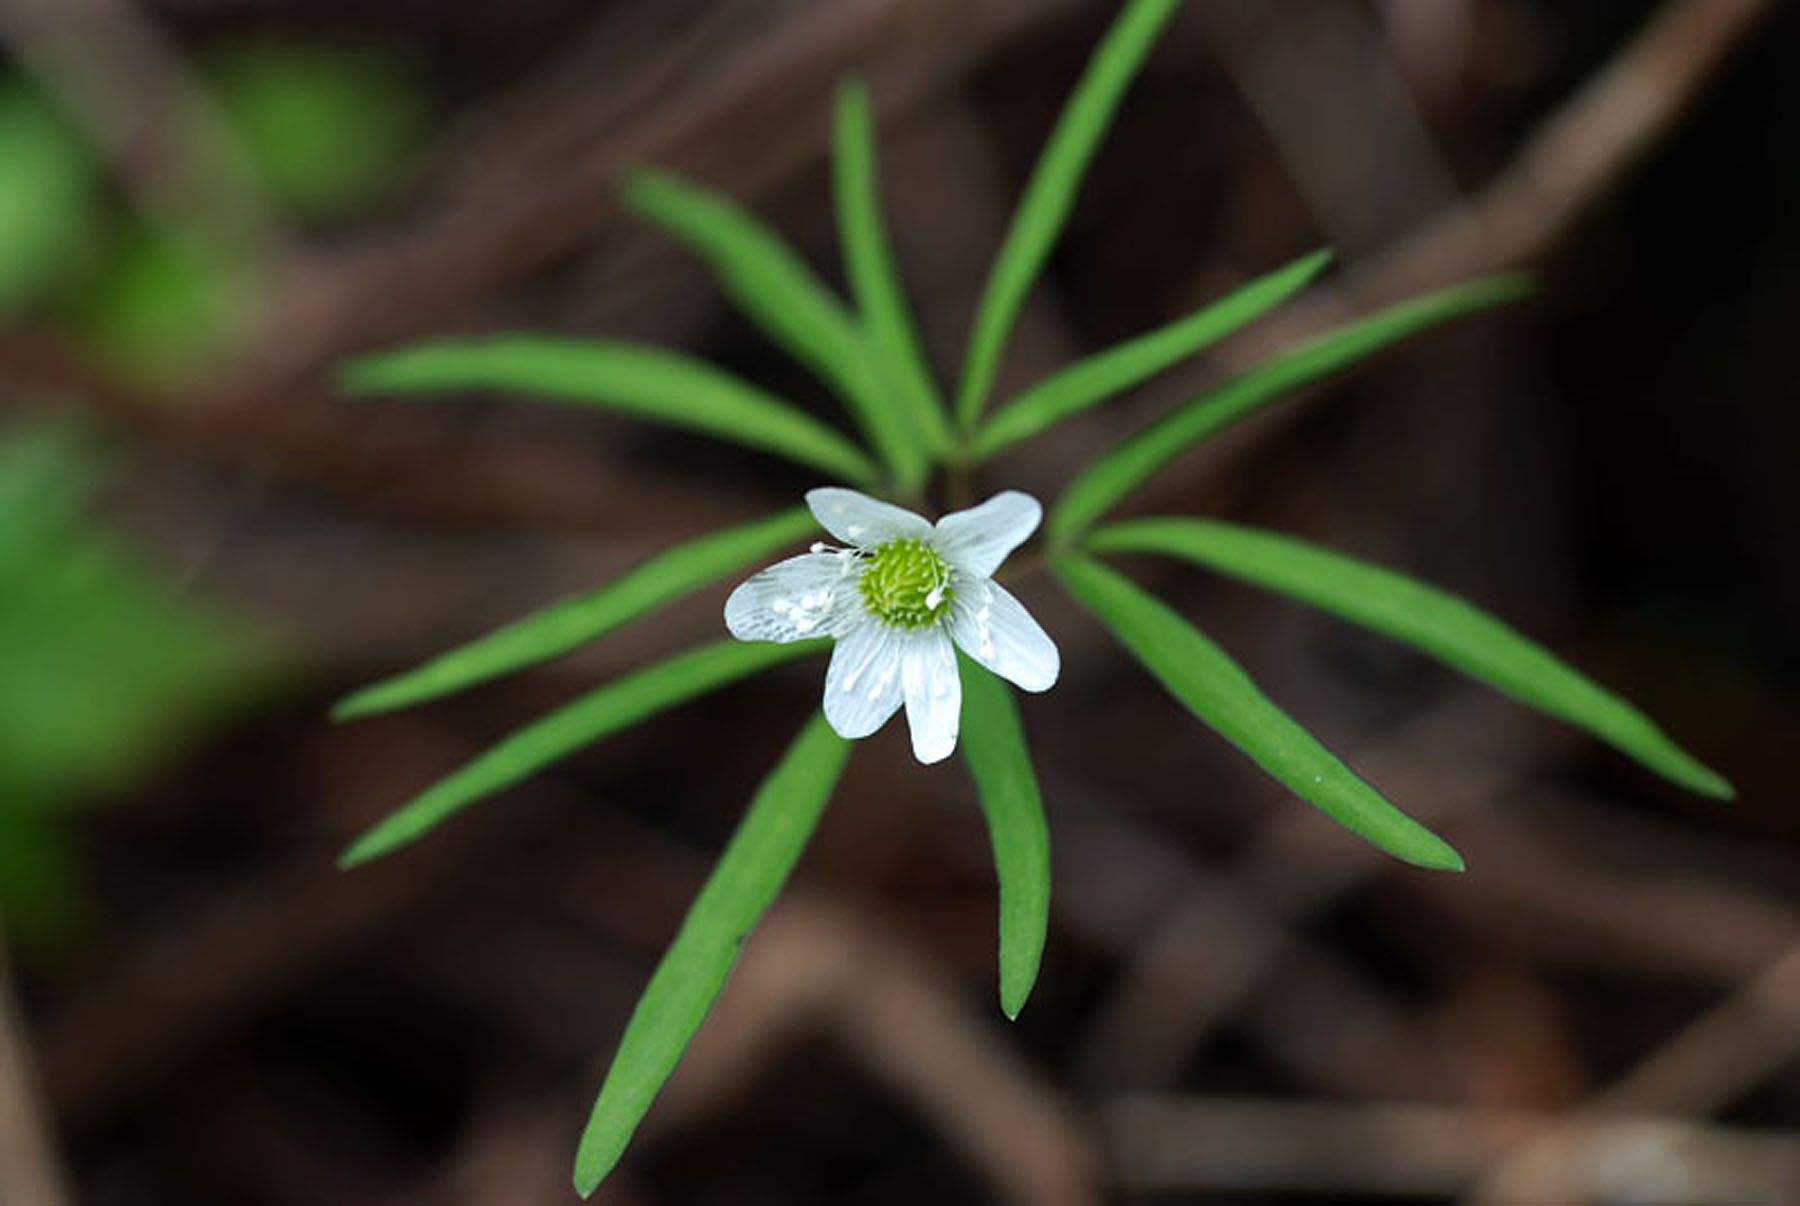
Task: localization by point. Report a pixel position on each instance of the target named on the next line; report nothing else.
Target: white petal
(995, 629)
(811, 595)
(933, 693)
(976, 541)
(856, 519)
(862, 687)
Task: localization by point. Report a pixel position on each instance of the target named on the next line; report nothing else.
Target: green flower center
(906, 584)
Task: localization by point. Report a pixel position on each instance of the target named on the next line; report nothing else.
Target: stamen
(905, 583)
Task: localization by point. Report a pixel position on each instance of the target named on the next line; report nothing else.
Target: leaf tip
(362, 850)
(355, 706)
(378, 841)
(1710, 783)
(852, 90)
(1016, 984)
(1680, 767)
(642, 187)
(1419, 846)
(1439, 856)
(1506, 286)
(594, 1159)
(364, 374)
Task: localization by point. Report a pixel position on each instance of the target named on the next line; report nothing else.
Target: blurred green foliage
(105, 671)
(327, 129)
(324, 130)
(165, 306)
(47, 204)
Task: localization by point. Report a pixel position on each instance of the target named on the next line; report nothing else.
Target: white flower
(898, 600)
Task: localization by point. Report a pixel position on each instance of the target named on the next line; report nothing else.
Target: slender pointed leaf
(614, 707)
(1112, 372)
(556, 629)
(1431, 620)
(1051, 192)
(743, 884)
(775, 288)
(874, 279)
(1213, 687)
(650, 382)
(1127, 465)
(993, 744)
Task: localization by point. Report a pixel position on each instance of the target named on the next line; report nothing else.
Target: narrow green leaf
(743, 884)
(556, 629)
(776, 289)
(1213, 687)
(614, 707)
(874, 279)
(651, 382)
(1112, 372)
(1433, 621)
(1051, 192)
(1127, 465)
(993, 744)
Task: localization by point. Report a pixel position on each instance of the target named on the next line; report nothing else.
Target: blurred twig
(30, 1173)
(1217, 937)
(472, 243)
(746, 117)
(1572, 159)
(817, 966)
(131, 89)
(1167, 1143)
(1576, 155)
(1569, 163)
(1610, 919)
(384, 459)
(179, 980)
(1722, 1054)
(1321, 81)
(497, 218)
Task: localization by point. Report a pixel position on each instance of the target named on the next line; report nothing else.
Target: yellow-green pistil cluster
(906, 583)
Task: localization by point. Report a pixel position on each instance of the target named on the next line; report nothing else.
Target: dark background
(1240, 1003)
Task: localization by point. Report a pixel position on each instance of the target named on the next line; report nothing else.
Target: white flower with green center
(899, 599)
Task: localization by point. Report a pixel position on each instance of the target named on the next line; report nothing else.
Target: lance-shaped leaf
(777, 291)
(1112, 372)
(556, 629)
(1433, 621)
(653, 383)
(1216, 689)
(993, 744)
(1051, 192)
(1128, 464)
(869, 260)
(600, 713)
(743, 884)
